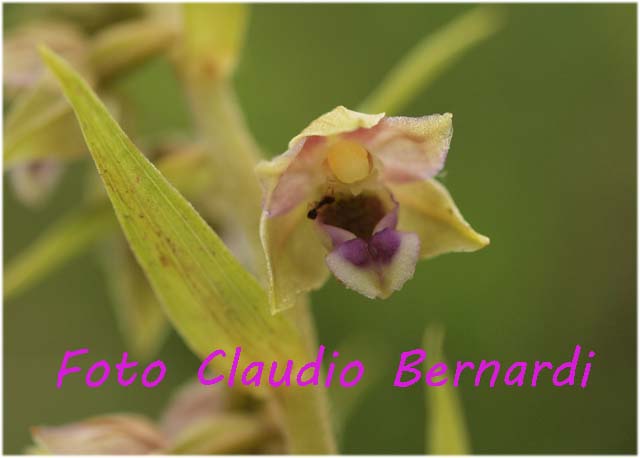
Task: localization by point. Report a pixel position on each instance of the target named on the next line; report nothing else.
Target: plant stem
(233, 154)
(220, 121)
(304, 411)
(308, 433)
(306, 420)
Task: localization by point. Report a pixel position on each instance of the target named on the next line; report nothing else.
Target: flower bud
(118, 48)
(213, 37)
(22, 67)
(33, 182)
(106, 435)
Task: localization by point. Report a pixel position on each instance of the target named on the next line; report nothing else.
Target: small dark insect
(326, 200)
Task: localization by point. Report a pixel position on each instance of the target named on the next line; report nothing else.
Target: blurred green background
(543, 160)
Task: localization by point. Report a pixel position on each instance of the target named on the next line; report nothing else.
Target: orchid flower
(22, 65)
(198, 420)
(355, 195)
(41, 133)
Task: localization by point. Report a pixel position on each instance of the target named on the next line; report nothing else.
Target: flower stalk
(306, 421)
(233, 153)
(206, 65)
(304, 412)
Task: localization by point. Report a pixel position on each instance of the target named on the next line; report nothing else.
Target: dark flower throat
(356, 214)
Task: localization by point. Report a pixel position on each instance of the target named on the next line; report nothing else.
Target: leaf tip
(46, 54)
(50, 59)
(54, 62)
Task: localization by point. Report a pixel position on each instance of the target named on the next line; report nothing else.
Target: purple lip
(380, 249)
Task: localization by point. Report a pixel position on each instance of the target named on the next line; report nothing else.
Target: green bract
(212, 301)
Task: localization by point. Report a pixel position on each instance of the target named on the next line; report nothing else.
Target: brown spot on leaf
(164, 260)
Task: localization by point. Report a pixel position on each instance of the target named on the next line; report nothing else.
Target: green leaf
(41, 125)
(446, 430)
(189, 171)
(139, 313)
(430, 58)
(211, 300)
(70, 236)
(124, 45)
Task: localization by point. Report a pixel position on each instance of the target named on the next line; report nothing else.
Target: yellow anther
(348, 161)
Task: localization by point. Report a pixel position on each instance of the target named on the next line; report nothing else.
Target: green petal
(295, 257)
(446, 430)
(140, 315)
(211, 300)
(427, 209)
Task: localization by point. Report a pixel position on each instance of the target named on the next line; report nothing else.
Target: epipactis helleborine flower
(355, 194)
(198, 420)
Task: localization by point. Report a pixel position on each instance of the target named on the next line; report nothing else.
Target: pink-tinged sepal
(34, 181)
(412, 149)
(118, 434)
(299, 180)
